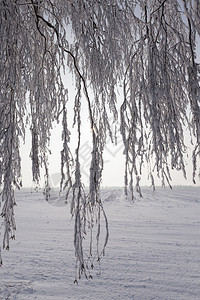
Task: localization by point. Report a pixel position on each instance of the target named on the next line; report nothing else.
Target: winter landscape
(77, 78)
(153, 250)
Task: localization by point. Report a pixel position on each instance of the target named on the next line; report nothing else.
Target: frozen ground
(153, 250)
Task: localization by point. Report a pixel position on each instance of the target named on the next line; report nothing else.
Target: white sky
(113, 174)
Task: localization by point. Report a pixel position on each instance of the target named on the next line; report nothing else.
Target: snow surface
(153, 250)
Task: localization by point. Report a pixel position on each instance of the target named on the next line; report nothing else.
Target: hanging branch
(78, 203)
(149, 46)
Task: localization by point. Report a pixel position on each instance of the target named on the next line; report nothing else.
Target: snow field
(153, 250)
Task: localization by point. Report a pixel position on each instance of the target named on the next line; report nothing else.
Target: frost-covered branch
(147, 46)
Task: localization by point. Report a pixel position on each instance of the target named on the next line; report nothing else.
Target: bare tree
(148, 46)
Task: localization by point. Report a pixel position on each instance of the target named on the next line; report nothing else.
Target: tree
(147, 46)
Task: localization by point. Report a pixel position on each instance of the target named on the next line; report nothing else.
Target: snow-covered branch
(147, 46)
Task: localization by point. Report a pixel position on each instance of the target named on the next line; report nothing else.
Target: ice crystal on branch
(148, 46)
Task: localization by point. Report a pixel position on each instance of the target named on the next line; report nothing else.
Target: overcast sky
(113, 174)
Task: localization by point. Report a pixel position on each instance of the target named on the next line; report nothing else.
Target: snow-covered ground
(153, 250)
